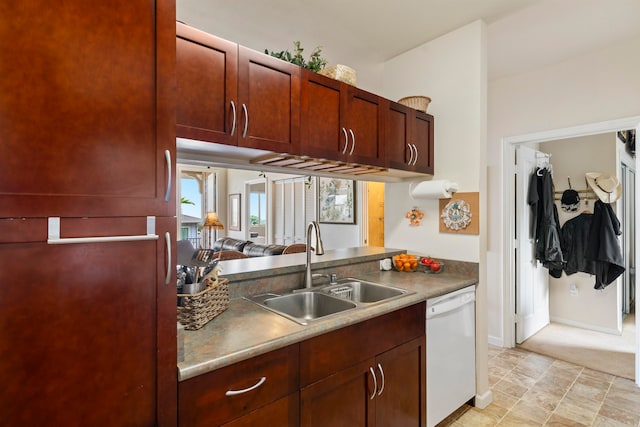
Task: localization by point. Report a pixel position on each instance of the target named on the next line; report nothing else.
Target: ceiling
(521, 33)
(378, 29)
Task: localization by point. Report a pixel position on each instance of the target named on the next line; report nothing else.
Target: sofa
(247, 247)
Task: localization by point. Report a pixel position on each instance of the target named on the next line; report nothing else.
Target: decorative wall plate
(414, 216)
(456, 215)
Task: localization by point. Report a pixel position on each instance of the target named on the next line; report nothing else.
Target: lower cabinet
(368, 374)
(387, 390)
(243, 392)
(283, 412)
(371, 373)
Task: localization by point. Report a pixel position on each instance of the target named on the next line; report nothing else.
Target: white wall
(594, 87)
(452, 71)
(449, 70)
(589, 308)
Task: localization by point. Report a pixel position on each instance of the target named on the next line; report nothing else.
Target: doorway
(511, 222)
(375, 214)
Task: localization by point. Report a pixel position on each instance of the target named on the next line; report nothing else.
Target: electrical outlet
(573, 290)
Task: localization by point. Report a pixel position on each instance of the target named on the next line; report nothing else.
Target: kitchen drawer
(283, 412)
(334, 351)
(203, 400)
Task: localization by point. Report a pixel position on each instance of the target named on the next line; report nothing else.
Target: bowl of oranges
(405, 262)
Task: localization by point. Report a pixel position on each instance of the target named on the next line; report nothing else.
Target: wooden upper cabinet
(409, 139)
(206, 86)
(269, 99)
(365, 126)
(87, 108)
(321, 127)
(340, 122)
(233, 95)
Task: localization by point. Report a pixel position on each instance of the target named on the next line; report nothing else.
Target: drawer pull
(246, 390)
(382, 377)
(375, 384)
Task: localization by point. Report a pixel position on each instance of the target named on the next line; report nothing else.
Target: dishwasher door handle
(448, 305)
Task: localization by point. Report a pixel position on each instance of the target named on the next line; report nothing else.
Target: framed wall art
(234, 212)
(336, 201)
(460, 214)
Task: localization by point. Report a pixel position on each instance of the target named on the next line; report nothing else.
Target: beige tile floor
(534, 390)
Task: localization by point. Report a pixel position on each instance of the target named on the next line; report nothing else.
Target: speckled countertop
(246, 330)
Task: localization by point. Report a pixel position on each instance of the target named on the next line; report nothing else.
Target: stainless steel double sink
(304, 306)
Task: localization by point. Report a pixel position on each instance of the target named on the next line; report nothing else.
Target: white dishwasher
(451, 353)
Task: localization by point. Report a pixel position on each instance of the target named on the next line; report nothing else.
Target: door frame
(508, 152)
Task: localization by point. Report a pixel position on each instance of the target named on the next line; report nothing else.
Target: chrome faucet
(308, 278)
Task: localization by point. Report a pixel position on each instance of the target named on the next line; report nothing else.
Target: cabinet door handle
(53, 234)
(346, 140)
(382, 378)
(410, 154)
(375, 383)
(415, 149)
(167, 242)
(246, 121)
(353, 142)
(167, 158)
(233, 124)
(246, 390)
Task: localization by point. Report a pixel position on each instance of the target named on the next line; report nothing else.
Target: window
(197, 197)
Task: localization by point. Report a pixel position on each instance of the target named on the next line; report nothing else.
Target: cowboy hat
(607, 187)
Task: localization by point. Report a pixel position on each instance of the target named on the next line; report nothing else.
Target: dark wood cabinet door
(269, 103)
(401, 399)
(81, 342)
(423, 140)
(86, 108)
(343, 399)
(365, 125)
(399, 126)
(409, 139)
(206, 87)
(320, 118)
(284, 412)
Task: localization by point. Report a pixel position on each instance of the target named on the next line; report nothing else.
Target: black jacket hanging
(603, 247)
(574, 239)
(545, 226)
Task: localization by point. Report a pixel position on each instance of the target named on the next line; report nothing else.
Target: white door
(532, 279)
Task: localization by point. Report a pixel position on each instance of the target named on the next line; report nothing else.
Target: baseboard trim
(569, 322)
(483, 400)
(497, 341)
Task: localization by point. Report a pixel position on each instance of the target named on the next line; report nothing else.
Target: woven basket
(418, 102)
(340, 72)
(199, 308)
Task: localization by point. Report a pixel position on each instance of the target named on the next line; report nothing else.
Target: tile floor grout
(591, 398)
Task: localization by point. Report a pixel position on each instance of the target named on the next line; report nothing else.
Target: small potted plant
(315, 63)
